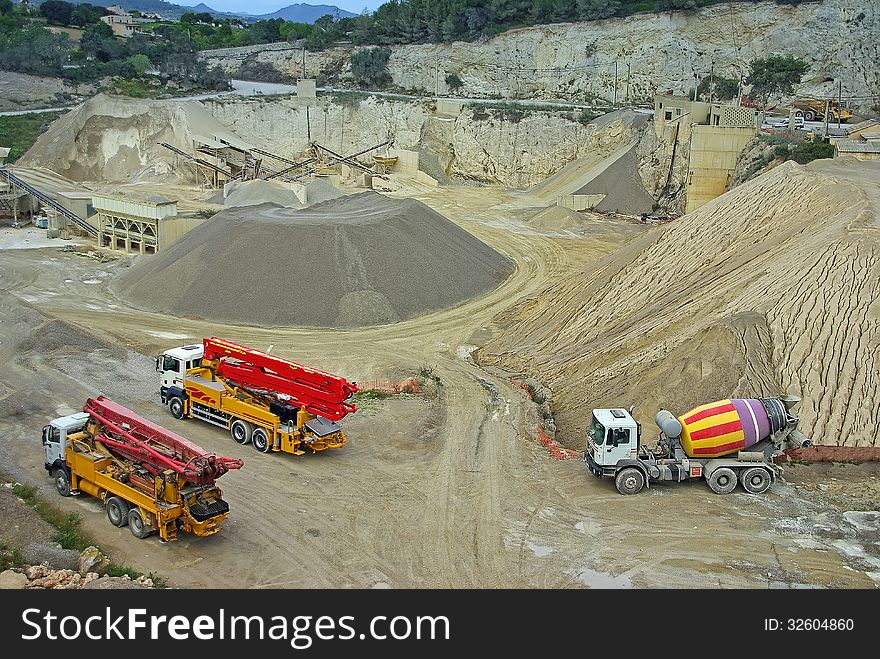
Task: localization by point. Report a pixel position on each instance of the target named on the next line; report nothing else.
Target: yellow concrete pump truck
(148, 478)
(274, 403)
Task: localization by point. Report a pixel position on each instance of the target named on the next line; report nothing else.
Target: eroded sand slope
(772, 288)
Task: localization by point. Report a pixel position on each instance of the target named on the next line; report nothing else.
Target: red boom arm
(153, 447)
(320, 393)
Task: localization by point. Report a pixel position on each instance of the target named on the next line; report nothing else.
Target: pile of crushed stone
(355, 261)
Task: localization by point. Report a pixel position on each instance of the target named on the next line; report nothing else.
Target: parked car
(783, 123)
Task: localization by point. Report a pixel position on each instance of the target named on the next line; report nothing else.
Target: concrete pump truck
(273, 403)
(148, 478)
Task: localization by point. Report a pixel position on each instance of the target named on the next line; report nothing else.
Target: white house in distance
(122, 23)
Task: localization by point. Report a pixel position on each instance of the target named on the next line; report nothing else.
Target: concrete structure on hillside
(139, 225)
(859, 149)
(77, 202)
(859, 131)
(714, 134)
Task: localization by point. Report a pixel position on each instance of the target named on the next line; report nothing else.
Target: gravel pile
(354, 261)
(556, 218)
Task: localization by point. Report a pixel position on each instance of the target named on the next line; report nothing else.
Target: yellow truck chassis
(249, 418)
(194, 509)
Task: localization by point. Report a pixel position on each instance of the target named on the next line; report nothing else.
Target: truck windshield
(596, 432)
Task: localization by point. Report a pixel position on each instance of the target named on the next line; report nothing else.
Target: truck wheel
(809, 115)
(723, 480)
(799, 113)
(756, 480)
(629, 480)
(117, 511)
(260, 438)
(241, 431)
(175, 406)
(62, 481)
(137, 525)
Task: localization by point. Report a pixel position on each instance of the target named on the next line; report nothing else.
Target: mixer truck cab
(612, 439)
(728, 442)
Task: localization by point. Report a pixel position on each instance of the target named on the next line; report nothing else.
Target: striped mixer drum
(727, 426)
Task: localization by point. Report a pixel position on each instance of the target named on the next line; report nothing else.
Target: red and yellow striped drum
(725, 427)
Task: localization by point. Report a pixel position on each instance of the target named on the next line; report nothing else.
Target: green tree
(454, 82)
(86, 14)
(5, 7)
(139, 64)
(98, 42)
(370, 67)
(776, 74)
(56, 11)
(723, 89)
(193, 18)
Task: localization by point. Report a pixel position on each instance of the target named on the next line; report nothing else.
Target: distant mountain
(303, 13)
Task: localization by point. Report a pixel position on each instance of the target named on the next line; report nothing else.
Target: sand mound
(772, 288)
(556, 218)
(116, 139)
(256, 192)
(355, 261)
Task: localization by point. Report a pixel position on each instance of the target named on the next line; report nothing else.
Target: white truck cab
(174, 363)
(613, 436)
(55, 437)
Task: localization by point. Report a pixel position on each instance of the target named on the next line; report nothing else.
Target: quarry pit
(478, 286)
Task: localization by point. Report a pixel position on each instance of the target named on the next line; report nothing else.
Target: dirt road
(445, 492)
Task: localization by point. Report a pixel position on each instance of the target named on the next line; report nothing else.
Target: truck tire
(809, 115)
(176, 407)
(241, 431)
(723, 480)
(260, 438)
(629, 480)
(137, 525)
(117, 511)
(62, 481)
(799, 113)
(756, 480)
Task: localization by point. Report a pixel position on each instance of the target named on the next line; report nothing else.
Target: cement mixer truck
(727, 442)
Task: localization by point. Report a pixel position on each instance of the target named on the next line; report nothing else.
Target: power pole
(628, 74)
(839, 100)
(304, 63)
(614, 103)
(827, 110)
(711, 80)
(437, 81)
(696, 84)
(308, 126)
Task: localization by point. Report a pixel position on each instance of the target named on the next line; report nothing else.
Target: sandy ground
(452, 491)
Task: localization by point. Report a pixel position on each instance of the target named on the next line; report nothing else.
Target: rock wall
(114, 139)
(654, 52)
(497, 146)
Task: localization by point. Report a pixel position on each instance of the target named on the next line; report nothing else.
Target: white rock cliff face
(499, 147)
(654, 52)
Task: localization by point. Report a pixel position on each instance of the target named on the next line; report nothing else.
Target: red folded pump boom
(320, 393)
(154, 448)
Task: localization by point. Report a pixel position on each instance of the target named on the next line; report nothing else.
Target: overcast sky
(268, 6)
